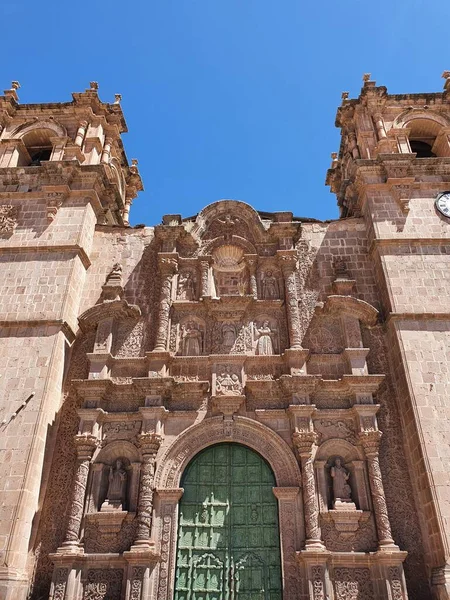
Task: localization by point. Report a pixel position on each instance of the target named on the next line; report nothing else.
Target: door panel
(228, 537)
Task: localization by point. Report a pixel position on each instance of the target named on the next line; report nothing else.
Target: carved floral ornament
(8, 218)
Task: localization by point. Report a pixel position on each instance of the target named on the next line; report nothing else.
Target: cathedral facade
(236, 405)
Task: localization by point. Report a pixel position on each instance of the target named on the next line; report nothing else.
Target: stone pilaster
(288, 261)
(304, 442)
(204, 278)
(168, 266)
(85, 445)
(371, 444)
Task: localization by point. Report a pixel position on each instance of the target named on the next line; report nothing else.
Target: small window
(422, 149)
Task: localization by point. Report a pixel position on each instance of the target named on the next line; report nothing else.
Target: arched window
(38, 145)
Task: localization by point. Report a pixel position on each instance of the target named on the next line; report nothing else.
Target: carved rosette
(149, 443)
(371, 444)
(288, 266)
(168, 266)
(304, 442)
(85, 445)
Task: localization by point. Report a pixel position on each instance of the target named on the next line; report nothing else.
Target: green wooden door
(228, 538)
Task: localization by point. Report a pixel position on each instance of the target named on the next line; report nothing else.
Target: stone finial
(134, 166)
(117, 98)
(334, 160)
(344, 95)
(366, 77)
(112, 288)
(12, 92)
(134, 162)
(93, 85)
(446, 76)
(15, 85)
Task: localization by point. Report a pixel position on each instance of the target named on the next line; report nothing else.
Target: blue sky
(225, 98)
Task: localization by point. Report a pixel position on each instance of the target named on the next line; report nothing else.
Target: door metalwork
(228, 536)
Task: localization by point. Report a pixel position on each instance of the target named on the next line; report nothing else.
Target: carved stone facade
(321, 347)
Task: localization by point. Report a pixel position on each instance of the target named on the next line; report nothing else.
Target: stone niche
(113, 490)
(343, 488)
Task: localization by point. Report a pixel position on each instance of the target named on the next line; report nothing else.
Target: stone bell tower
(393, 169)
(63, 170)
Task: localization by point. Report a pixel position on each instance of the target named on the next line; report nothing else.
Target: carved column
(149, 443)
(288, 262)
(251, 263)
(81, 132)
(168, 266)
(126, 210)
(304, 443)
(85, 445)
(106, 153)
(204, 277)
(379, 124)
(371, 444)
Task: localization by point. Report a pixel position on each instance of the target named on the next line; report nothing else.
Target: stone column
(168, 266)
(353, 146)
(106, 152)
(85, 445)
(204, 278)
(288, 262)
(126, 210)
(251, 263)
(379, 124)
(81, 132)
(149, 444)
(304, 443)
(371, 444)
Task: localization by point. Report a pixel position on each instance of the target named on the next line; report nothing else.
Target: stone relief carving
(328, 428)
(114, 430)
(59, 590)
(228, 383)
(317, 581)
(103, 584)
(186, 286)
(269, 286)
(130, 339)
(136, 583)
(264, 343)
(352, 584)
(228, 335)
(8, 218)
(191, 339)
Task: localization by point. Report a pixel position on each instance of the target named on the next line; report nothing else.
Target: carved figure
(228, 334)
(192, 340)
(264, 345)
(269, 286)
(340, 476)
(115, 273)
(186, 287)
(228, 384)
(117, 489)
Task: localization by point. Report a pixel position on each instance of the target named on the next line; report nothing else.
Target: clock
(442, 203)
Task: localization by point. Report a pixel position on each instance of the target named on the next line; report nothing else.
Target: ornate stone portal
(256, 329)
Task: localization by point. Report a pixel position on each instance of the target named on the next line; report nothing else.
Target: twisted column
(204, 277)
(304, 443)
(85, 445)
(288, 266)
(371, 444)
(149, 444)
(168, 266)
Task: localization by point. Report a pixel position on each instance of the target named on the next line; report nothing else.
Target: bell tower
(63, 172)
(393, 169)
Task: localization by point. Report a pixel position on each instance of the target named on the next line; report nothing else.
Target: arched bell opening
(228, 542)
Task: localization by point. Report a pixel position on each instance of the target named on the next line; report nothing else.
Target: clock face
(443, 204)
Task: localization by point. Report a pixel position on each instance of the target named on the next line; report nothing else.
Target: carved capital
(168, 265)
(370, 441)
(304, 442)
(85, 444)
(149, 443)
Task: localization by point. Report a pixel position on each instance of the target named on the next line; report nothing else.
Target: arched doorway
(228, 536)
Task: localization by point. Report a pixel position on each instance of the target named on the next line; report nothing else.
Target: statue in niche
(191, 344)
(228, 335)
(269, 286)
(340, 476)
(186, 287)
(264, 345)
(116, 495)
